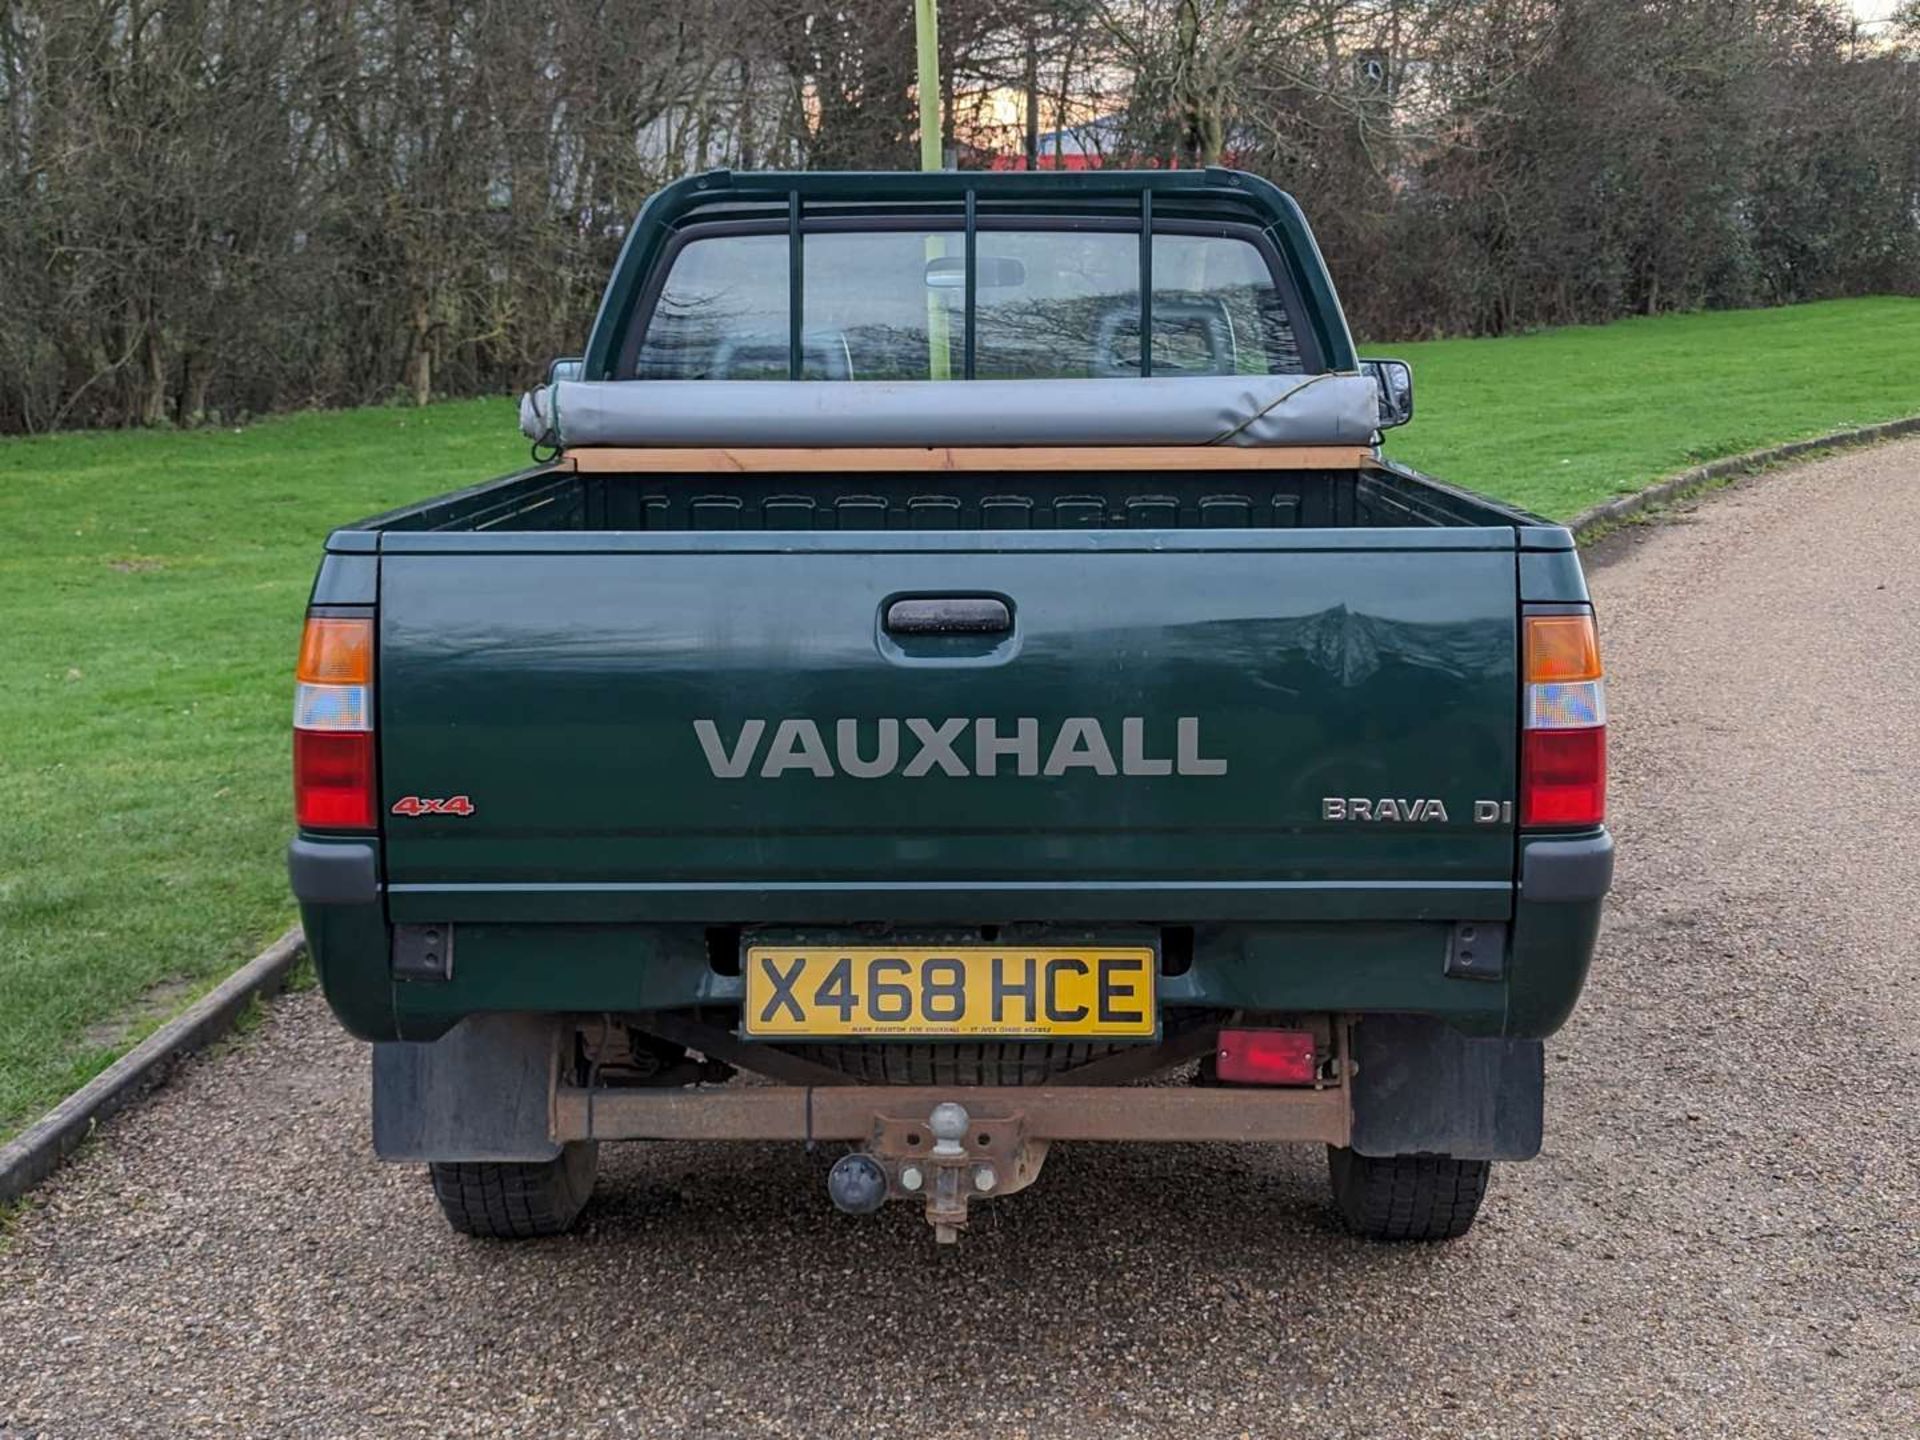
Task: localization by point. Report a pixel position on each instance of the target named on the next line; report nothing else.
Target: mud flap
(1423, 1088)
(483, 1091)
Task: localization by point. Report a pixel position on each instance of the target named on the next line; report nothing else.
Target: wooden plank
(626, 460)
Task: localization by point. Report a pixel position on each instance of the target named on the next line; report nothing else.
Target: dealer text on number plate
(825, 990)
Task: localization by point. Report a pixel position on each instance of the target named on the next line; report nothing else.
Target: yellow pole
(926, 35)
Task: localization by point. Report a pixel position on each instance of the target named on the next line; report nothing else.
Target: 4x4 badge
(414, 805)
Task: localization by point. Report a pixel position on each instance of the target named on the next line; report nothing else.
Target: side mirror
(1395, 381)
(570, 368)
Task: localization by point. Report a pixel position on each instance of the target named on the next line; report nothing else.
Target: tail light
(333, 725)
(1563, 759)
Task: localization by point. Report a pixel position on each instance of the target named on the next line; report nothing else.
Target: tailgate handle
(949, 615)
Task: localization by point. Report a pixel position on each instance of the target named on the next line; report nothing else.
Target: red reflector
(1563, 777)
(1266, 1057)
(333, 779)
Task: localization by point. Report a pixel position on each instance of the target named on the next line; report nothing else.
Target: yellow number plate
(825, 990)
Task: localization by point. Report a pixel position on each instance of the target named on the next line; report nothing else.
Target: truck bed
(1034, 493)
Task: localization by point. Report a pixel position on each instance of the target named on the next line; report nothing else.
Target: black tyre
(1407, 1197)
(513, 1201)
(994, 1062)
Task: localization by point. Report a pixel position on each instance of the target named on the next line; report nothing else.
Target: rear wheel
(1407, 1197)
(505, 1200)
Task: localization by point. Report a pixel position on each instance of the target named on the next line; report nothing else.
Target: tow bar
(948, 1147)
(898, 1163)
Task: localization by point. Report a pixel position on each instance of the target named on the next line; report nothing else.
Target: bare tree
(210, 208)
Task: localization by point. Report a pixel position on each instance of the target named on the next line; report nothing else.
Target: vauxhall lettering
(914, 747)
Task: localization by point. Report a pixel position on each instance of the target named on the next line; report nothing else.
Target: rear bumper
(1355, 955)
(1567, 872)
(334, 872)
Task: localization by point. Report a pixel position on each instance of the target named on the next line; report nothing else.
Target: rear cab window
(890, 304)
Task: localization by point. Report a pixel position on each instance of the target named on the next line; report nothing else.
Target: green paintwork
(546, 642)
(587, 968)
(349, 945)
(1355, 966)
(1310, 673)
(1547, 966)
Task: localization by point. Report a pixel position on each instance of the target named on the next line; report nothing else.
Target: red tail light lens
(333, 779)
(1266, 1057)
(1564, 777)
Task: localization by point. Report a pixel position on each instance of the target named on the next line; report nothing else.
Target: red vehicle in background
(1096, 145)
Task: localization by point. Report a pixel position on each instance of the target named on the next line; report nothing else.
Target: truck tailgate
(657, 726)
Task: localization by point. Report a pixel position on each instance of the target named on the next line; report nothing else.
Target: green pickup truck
(961, 677)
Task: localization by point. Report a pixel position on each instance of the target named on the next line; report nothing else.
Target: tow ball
(970, 1158)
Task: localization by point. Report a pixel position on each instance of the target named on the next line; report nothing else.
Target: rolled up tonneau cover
(1253, 410)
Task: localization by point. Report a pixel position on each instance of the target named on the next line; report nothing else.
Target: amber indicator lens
(336, 651)
(1562, 647)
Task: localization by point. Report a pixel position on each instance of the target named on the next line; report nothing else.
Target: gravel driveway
(1721, 1238)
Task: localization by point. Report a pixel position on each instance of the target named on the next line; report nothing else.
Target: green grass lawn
(151, 587)
(1559, 420)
